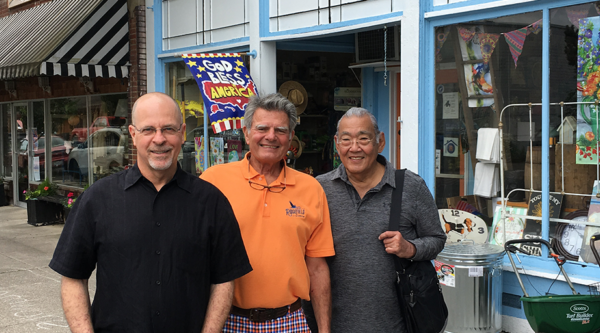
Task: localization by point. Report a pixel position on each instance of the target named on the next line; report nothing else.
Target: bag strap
(395, 212)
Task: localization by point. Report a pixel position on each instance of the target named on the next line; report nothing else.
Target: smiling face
(269, 138)
(157, 152)
(359, 160)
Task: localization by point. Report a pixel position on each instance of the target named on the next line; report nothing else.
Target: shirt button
(157, 313)
(265, 205)
(157, 282)
(157, 252)
(158, 224)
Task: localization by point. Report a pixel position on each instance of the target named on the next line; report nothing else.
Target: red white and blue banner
(226, 87)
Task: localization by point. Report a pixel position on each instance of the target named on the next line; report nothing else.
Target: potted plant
(67, 204)
(40, 209)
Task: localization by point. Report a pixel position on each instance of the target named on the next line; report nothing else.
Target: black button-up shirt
(157, 252)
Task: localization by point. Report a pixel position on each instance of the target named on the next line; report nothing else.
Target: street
(29, 289)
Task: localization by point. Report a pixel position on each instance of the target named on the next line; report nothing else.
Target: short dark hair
(271, 102)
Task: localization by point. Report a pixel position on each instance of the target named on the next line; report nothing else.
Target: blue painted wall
(376, 98)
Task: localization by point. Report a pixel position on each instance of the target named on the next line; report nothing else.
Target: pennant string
(575, 15)
(487, 42)
(515, 40)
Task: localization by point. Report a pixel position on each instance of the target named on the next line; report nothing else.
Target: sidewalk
(29, 289)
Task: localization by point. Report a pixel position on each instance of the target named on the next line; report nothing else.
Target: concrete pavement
(29, 289)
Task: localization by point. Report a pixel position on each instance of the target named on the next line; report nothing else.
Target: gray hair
(360, 112)
(157, 94)
(271, 102)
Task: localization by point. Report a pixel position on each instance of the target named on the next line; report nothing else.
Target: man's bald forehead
(155, 95)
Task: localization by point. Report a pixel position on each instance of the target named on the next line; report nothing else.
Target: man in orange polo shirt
(284, 220)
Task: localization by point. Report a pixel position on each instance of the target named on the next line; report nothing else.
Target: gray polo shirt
(362, 273)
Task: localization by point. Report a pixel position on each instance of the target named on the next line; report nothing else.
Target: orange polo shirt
(279, 230)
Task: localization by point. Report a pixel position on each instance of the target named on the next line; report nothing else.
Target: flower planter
(41, 212)
(66, 211)
(3, 200)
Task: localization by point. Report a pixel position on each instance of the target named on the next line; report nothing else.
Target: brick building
(70, 70)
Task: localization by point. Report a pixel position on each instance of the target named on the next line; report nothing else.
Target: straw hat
(296, 94)
(296, 146)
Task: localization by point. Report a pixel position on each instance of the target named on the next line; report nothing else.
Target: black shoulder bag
(419, 293)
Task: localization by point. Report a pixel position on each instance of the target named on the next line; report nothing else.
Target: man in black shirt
(166, 244)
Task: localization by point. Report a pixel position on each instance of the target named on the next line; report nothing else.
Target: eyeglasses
(151, 131)
(361, 141)
(274, 189)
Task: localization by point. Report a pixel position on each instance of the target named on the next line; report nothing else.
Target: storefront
(331, 68)
(66, 88)
(522, 73)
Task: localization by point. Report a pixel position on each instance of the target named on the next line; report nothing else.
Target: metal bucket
(471, 279)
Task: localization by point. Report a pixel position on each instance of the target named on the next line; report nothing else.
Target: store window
(108, 135)
(487, 73)
(68, 119)
(94, 143)
(6, 144)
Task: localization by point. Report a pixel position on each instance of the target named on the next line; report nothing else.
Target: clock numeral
(455, 212)
(480, 230)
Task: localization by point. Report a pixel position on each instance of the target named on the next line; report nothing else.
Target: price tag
(476, 271)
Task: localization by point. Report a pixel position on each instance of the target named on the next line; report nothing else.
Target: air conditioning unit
(369, 45)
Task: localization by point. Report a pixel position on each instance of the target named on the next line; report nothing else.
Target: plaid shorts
(291, 323)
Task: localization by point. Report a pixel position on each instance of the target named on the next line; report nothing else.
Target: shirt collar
(134, 175)
(249, 172)
(389, 177)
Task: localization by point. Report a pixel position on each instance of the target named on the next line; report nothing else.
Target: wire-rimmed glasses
(166, 131)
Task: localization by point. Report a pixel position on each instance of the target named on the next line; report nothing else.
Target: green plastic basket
(563, 313)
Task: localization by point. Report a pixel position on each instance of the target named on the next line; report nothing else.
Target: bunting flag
(576, 14)
(441, 37)
(225, 85)
(535, 27)
(466, 34)
(487, 42)
(515, 40)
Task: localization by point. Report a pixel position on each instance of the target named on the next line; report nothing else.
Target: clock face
(512, 228)
(572, 236)
(460, 225)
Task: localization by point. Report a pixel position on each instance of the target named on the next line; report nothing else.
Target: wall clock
(460, 225)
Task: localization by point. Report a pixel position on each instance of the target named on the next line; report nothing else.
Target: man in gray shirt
(359, 194)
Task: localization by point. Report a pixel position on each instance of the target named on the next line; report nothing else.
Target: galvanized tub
(471, 279)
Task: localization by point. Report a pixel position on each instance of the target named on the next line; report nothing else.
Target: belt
(262, 315)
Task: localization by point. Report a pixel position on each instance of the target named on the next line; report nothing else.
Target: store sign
(225, 85)
(451, 147)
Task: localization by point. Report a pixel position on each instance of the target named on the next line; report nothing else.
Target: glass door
(21, 153)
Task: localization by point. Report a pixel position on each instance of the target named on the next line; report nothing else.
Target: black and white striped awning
(66, 37)
(98, 47)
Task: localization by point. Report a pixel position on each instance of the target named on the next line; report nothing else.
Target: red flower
(70, 195)
(594, 151)
(581, 152)
(588, 148)
(45, 188)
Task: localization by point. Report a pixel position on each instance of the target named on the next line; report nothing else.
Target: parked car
(80, 134)
(107, 149)
(60, 153)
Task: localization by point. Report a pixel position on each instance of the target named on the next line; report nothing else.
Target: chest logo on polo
(294, 211)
